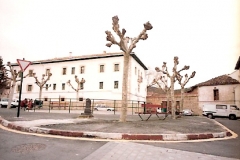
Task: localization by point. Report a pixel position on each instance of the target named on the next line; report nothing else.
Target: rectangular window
(45, 99)
(62, 99)
(116, 67)
(164, 104)
(135, 70)
(216, 94)
(64, 71)
(47, 87)
(81, 85)
(30, 73)
(63, 86)
(101, 68)
(73, 70)
(115, 84)
(18, 88)
(221, 106)
(82, 68)
(233, 107)
(47, 72)
(178, 105)
(29, 88)
(100, 85)
(54, 86)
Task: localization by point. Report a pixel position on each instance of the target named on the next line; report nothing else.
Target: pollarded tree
(3, 75)
(127, 50)
(172, 81)
(150, 76)
(162, 82)
(42, 83)
(14, 80)
(182, 84)
(79, 85)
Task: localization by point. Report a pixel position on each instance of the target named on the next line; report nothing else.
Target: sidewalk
(105, 125)
(130, 151)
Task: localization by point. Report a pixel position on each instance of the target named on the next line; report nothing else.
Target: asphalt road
(15, 146)
(225, 148)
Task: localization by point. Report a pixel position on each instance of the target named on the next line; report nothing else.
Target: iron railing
(70, 104)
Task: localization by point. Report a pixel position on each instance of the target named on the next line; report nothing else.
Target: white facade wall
(226, 94)
(137, 93)
(237, 95)
(91, 75)
(236, 75)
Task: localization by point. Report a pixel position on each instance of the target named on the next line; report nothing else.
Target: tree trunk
(77, 91)
(123, 115)
(182, 97)
(40, 93)
(173, 99)
(11, 94)
(77, 96)
(167, 100)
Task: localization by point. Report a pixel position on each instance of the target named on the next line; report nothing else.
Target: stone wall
(190, 100)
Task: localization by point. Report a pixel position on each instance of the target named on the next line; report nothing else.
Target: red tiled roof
(220, 80)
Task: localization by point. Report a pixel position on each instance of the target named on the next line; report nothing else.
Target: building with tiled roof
(220, 80)
(102, 74)
(222, 90)
(236, 75)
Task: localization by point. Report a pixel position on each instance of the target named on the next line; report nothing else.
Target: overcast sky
(204, 34)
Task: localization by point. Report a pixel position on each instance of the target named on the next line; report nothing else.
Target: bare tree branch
(123, 44)
(68, 82)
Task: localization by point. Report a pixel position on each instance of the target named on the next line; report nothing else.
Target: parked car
(230, 111)
(103, 108)
(187, 112)
(38, 104)
(4, 103)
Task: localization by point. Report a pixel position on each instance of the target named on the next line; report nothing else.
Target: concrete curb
(116, 136)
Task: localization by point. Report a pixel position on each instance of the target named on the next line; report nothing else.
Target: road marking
(234, 135)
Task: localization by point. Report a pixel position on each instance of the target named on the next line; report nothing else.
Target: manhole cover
(26, 148)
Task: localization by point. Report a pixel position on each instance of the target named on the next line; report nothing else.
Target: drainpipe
(234, 88)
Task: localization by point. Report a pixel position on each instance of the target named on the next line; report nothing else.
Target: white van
(4, 103)
(230, 111)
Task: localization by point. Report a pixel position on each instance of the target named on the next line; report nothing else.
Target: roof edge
(86, 57)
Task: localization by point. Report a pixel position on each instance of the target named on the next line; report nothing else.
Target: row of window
(101, 86)
(82, 70)
(137, 72)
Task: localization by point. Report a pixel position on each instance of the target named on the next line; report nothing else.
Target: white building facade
(236, 75)
(102, 74)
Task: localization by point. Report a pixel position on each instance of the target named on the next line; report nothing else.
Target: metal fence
(70, 104)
